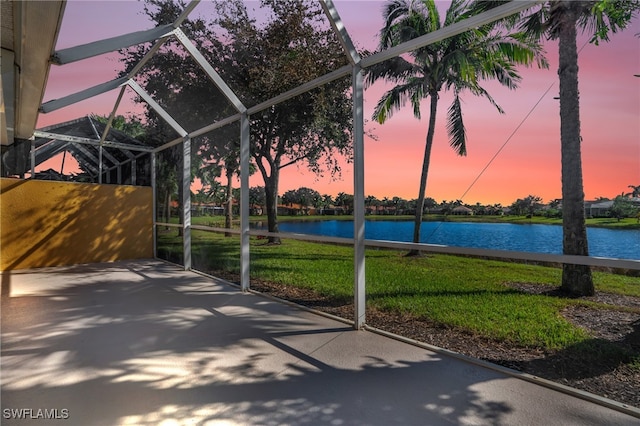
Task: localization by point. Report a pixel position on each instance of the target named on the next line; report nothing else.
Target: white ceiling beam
(211, 73)
(105, 87)
(156, 106)
(55, 104)
(89, 50)
(341, 32)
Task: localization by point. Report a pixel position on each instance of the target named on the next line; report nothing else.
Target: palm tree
(561, 20)
(458, 64)
(635, 191)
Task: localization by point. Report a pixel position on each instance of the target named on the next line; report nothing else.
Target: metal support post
(33, 159)
(100, 164)
(244, 202)
(154, 198)
(186, 202)
(358, 187)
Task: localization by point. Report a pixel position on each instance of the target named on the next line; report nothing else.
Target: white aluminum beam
(87, 141)
(208, 69)
(89, 50)
(499, 12)
(317, 82)
(102, 154)
(107, 127)
(50, 151)
(359, 289)
(169, 144)
(465, 251)
(109, 157)
(161, 112)
(185, 13)
(244, 202)
(82, 95)
(202, 131)
(341, 32)
(90, 155)
(49, 146)
(129, 155)
(218, 124)
(104, 87)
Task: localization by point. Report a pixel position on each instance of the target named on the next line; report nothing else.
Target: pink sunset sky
(529, 163)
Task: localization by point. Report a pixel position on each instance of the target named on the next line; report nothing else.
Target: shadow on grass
(587, 359)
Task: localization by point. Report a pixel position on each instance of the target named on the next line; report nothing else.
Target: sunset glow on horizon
(525, 140)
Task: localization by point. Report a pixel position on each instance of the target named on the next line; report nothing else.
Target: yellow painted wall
(45, 223)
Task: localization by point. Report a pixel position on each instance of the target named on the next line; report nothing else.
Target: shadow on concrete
(141, 343)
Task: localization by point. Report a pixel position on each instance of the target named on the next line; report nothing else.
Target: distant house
(294, 209)
(462, 210)
(209, 209)
(598, 209)
(331, 210)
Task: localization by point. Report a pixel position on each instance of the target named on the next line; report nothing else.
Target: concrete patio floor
(145, 343)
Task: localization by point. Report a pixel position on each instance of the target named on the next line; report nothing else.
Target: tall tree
(458, 63)
(178, 84)
(262, 60)
(561, 20)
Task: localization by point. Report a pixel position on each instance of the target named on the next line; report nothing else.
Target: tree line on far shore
(305, 201)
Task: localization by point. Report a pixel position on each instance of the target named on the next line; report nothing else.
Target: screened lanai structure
(123, 160)
(217, 128)
(132, 198)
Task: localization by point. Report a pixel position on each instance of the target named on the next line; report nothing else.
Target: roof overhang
(29, 33)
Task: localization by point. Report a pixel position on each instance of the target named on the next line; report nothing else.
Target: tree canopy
(264, 60)
(258, 59)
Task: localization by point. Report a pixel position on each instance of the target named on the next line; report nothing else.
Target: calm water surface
(614, 243)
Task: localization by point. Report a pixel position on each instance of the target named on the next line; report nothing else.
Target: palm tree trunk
(229, 216)
(271, 192)
(425, 172)
(576, 279)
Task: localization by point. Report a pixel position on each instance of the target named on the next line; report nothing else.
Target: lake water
(613, 243)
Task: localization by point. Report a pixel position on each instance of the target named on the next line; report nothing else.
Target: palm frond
(606, 17)
(455, 127)
(394, 70)
(395, 99)
(481, 91)
(432, 15)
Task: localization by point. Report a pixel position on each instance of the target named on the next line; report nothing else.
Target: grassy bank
(466, 293)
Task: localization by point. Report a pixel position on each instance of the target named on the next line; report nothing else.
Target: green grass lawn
(467, 293)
